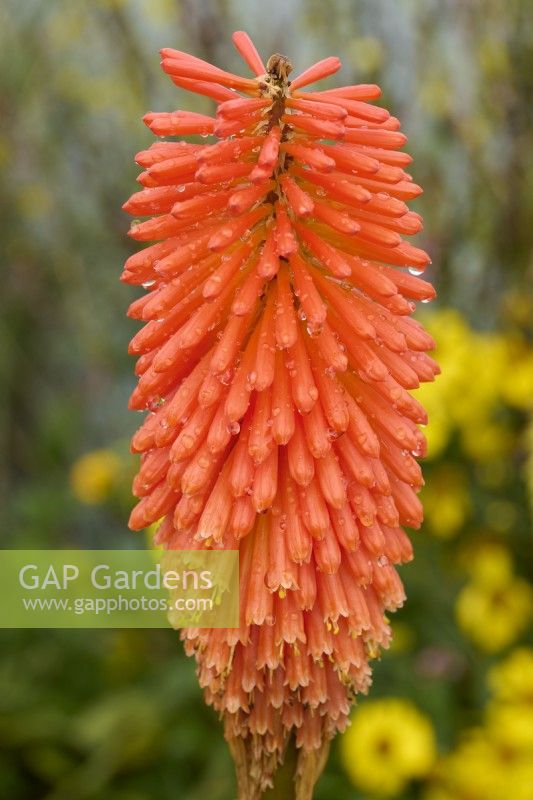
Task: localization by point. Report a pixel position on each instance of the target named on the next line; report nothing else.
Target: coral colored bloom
(275, 362)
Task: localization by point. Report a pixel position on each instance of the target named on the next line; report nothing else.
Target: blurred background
(117, 715)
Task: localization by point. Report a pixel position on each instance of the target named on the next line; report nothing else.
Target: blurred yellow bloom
(511, 681)
(511, 727)
(493, 57)
(446, 500)
(494, 616)
(482, 769)
(517, 390)
(503, 377)
(470, 771)
(94, 476)
(495, 761)
(528, 468)
(452, 334)
(388, 744)
(484, 440)
(489, 564)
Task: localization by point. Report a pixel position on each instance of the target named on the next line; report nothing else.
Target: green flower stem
(294, 780)
(284, 784)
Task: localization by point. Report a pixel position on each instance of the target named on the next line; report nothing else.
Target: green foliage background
(117, 715)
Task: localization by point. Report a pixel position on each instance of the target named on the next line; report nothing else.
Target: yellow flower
(446, 500)
(511, 681)
(471, 770)
(482, 769)
(94, 476)
(511, 728)
(493, 617)
(489, 564)
(484, 440)
(388, 744)
(455, 343)
(528, 468)
(493, 57)
(469, 404)
(494, 762)
(517, 388)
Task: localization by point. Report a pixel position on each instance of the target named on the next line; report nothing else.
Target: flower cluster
(504, 379)
(495, 606)
(478, 433)
(495, 760)
(275, 365)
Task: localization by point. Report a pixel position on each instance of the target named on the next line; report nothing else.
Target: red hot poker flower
(275, 361)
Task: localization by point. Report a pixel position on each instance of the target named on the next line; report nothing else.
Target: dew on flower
(283, 363)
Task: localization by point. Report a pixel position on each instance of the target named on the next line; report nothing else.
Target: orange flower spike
(275, 364)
